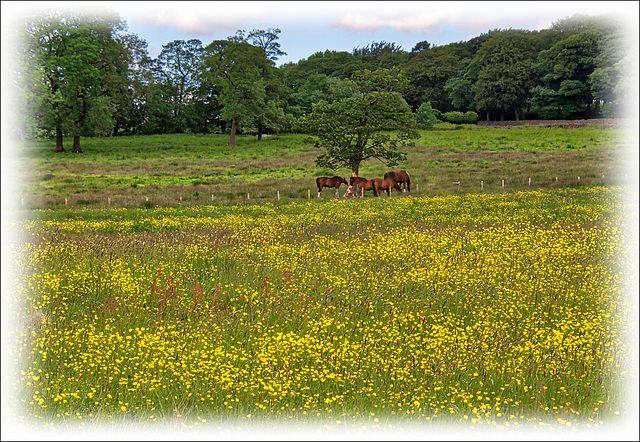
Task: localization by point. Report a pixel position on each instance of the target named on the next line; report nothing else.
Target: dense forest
(85, 75)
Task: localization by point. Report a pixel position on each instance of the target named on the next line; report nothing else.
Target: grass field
(189, 169)
(500, 309)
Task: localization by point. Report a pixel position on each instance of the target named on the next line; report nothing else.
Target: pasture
(171, 170)
(498, 309)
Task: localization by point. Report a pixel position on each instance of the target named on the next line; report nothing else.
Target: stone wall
(609, 122)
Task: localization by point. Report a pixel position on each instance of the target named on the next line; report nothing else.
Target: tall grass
(497, 310)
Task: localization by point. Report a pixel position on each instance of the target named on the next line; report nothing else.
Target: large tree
(428, 71)
(612, 82)
(178, 66)
(373, 123)
(504, 78)
(565, 69)
(75, 58)
(237, 67)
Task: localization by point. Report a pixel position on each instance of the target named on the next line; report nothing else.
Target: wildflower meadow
(476, 311)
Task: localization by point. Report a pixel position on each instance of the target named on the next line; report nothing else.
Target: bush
(470, 117)
(454, 117)
(426, 116)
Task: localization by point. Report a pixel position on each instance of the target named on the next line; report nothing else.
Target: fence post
(65, 201)
(278, 195)
(481, 184)
(308, 194)
(212, 197)
(248, 197)
(529, 181)
(417, 189)
(503, 184)
(109, 200)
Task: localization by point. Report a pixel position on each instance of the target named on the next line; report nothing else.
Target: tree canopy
(81, 74)
(357, 128)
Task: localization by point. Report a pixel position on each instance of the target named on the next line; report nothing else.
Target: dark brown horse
(401, 177)
(361, 184)
(385, 184)
(334, 181)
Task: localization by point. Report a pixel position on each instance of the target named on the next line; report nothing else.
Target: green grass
(189, 169)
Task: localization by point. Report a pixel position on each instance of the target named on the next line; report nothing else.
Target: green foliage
(565, 70)
(355, 129)
(457, 117)
(238, 67)
(426, 117)
(453, 117)
(504, 78)
(470, 117)
(84, 75)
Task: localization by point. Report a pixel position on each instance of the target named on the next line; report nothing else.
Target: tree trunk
(515, 108)
(76, 145)
(501, 114)
(59, 147)
(259, 135)
(232, 136)
(487, 116)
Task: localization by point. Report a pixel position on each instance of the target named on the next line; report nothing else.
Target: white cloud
(430, 22)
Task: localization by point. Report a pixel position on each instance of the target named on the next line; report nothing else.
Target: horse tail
(373, 186)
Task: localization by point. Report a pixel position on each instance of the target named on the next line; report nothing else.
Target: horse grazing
(385, 184)
(361, 184)
(401, 177)
(334, 181)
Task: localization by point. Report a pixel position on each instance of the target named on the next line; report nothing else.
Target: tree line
(80, 74)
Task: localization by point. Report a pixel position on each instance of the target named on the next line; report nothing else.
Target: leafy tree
(178, 66)
(354, 129)
(238, 67)
(504, 78)
(421, 46)
(425, 116)
(267, 41)
(610, 81)
(565, 70)
(428, 71)
(127, 89)
(75, 60)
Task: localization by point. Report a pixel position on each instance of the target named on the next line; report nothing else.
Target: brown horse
(361, 184)
(401, 177)
(334, 181)
(385, 184)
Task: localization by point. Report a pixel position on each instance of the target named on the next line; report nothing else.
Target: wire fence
(210, 196)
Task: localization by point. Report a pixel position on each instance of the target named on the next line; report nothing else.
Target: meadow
(170, 170)
(499, 309)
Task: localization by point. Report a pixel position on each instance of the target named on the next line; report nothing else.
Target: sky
(309, 27)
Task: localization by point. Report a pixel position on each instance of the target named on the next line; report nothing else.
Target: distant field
(189, 169)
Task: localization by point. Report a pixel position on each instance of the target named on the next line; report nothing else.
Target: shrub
(454, 117)
(426, 116)
(470, 117)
